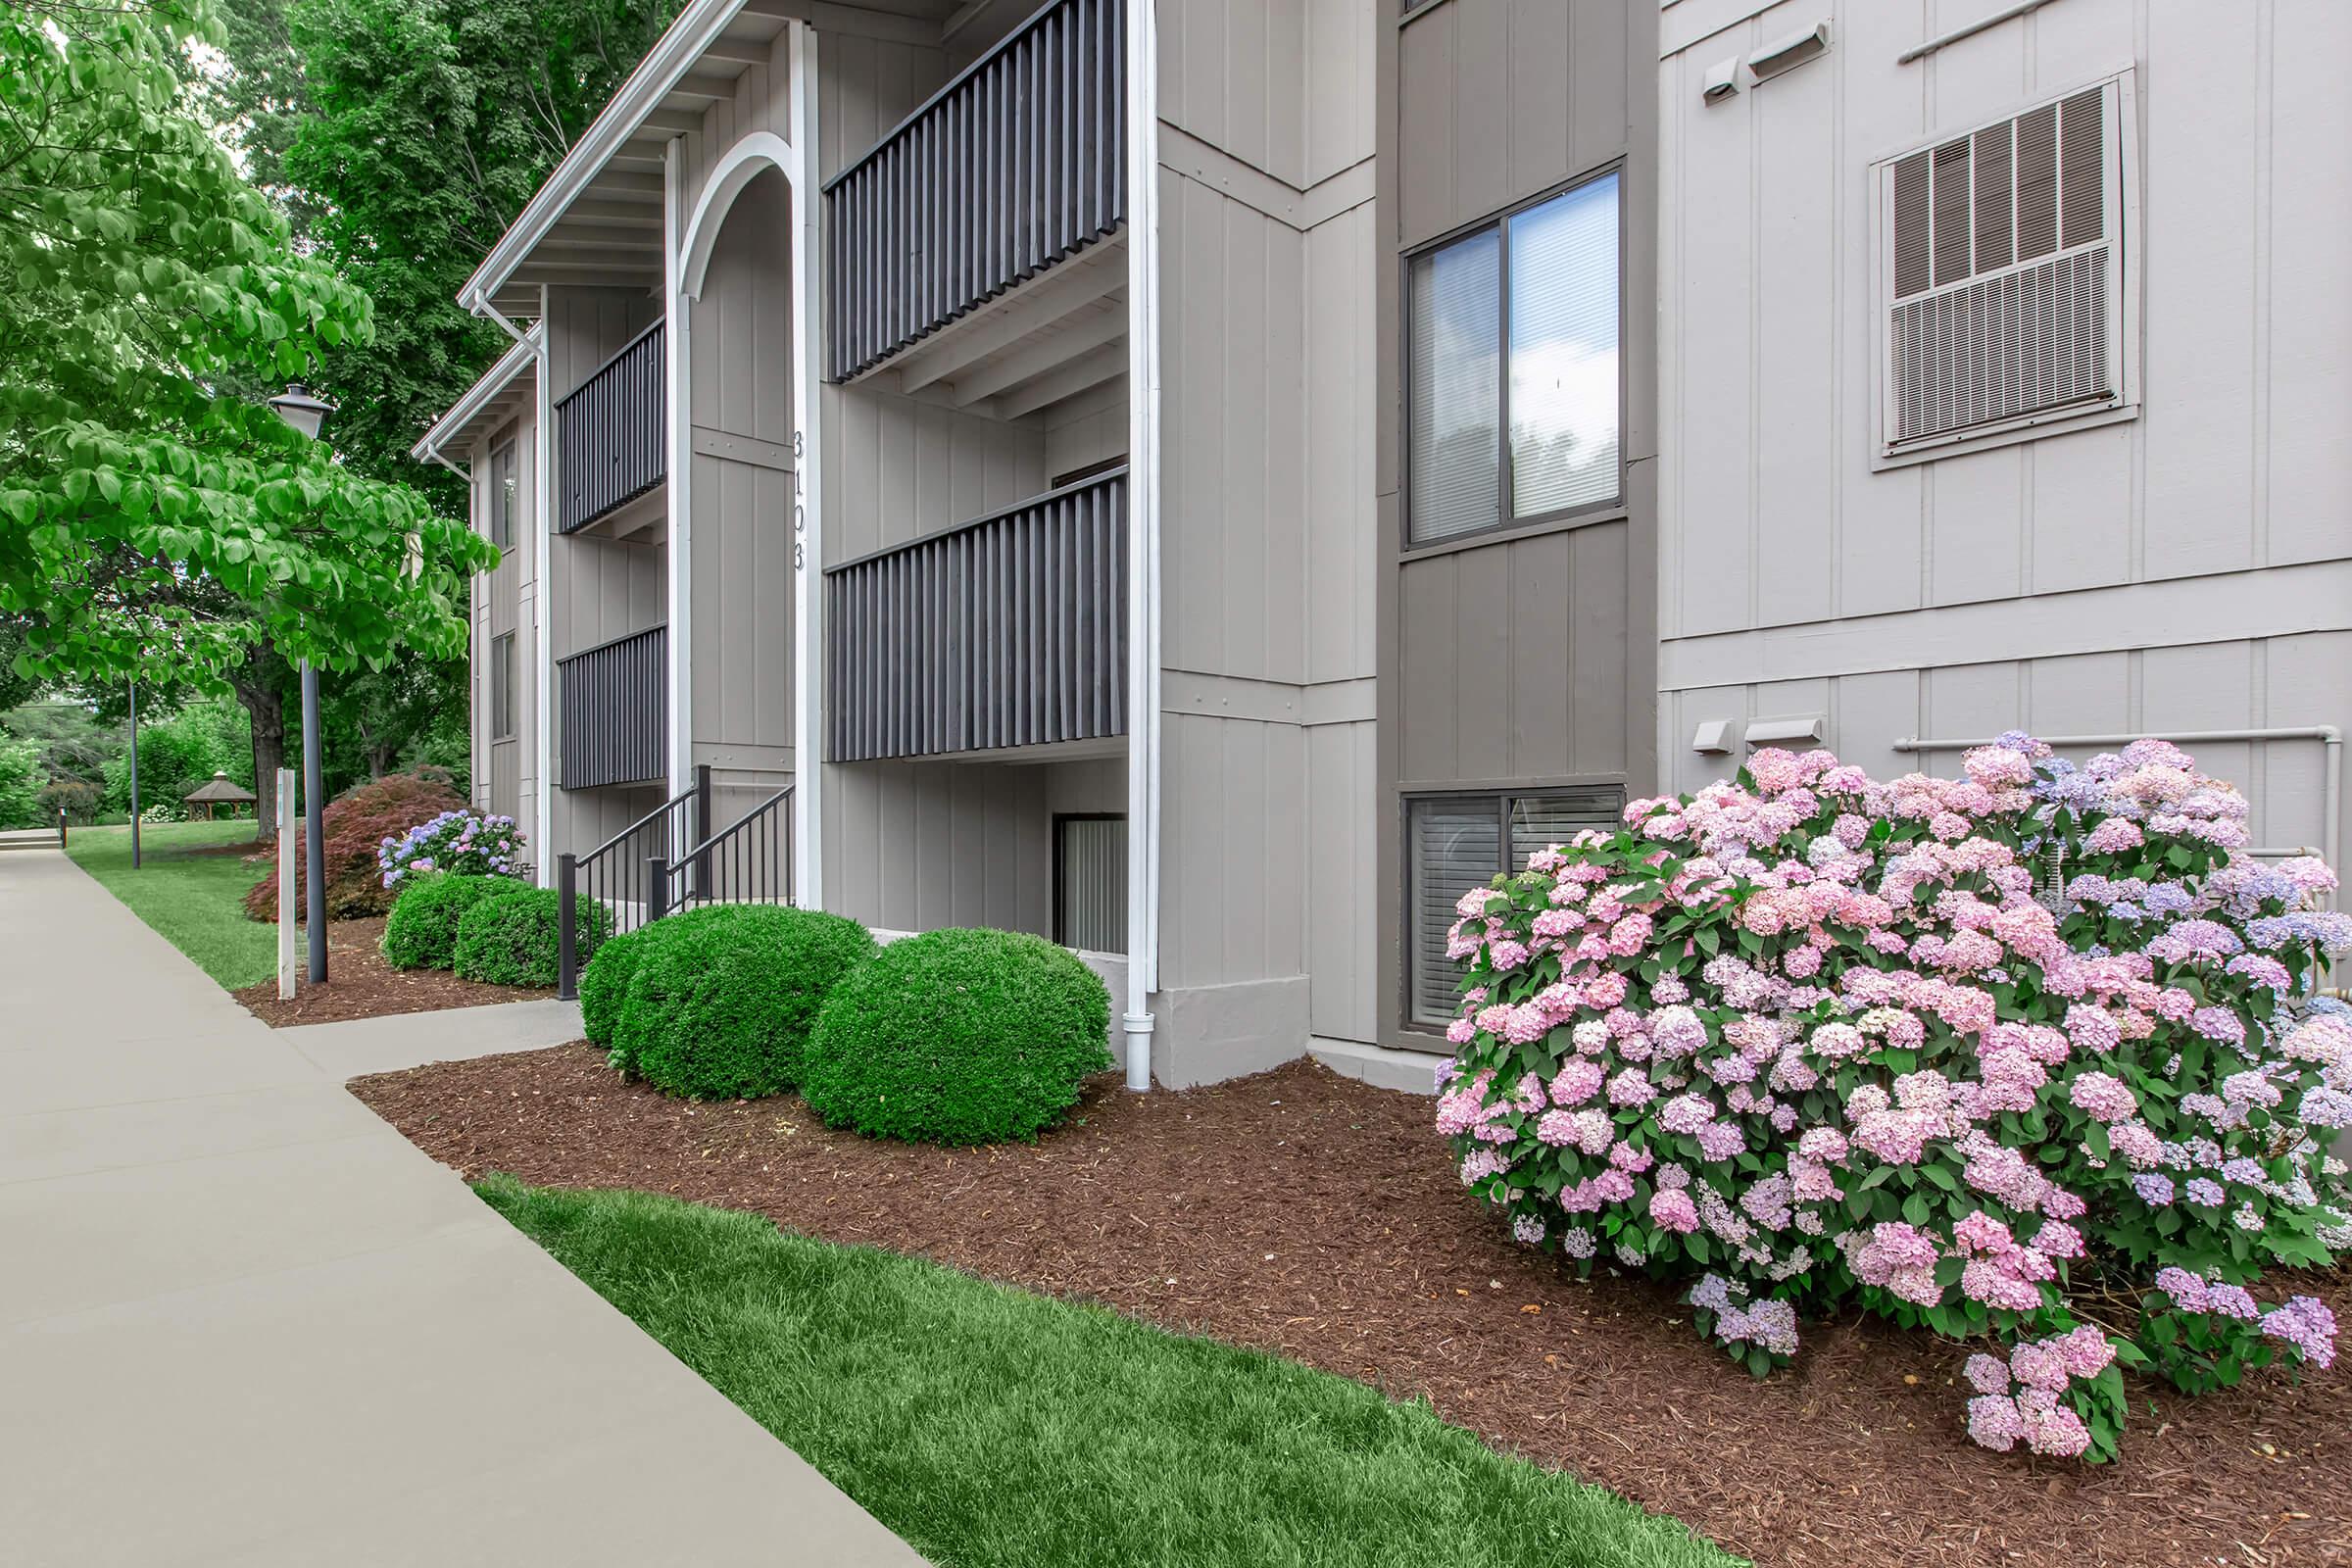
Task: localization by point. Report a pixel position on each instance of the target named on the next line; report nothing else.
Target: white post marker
(285, 884)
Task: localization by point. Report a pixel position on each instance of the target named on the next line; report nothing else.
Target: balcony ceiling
(1053, 338)
(611, 235)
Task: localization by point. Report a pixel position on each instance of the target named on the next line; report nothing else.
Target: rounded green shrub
(421, 931)
(604, 987)
(959, 1037)
(509, 938)
(725, 998)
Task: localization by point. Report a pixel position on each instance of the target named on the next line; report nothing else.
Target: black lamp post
(306, 413)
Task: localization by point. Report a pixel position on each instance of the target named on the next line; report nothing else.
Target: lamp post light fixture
(305, 413)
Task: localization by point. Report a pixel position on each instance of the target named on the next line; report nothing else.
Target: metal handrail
(615, 868)
(748, 861)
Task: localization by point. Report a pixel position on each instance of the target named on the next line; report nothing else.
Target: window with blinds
(1454, 842)
(502, 686)
(1512, 394)
(502, 497)
(1090, 883)
(2003, 270)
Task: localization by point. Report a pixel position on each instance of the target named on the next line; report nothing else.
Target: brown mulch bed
(1306, 1213)
(359, 984)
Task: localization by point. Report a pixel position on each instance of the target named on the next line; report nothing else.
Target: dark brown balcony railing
(613, 710)
(612, 434)
(1009, 630)
(1019, 162)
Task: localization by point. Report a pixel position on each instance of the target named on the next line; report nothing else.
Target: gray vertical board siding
(2094, 571)
(1003, 172)
(613, 711)
(914, 846)
(1530, 658)
(1009, 631)
(1771, 513)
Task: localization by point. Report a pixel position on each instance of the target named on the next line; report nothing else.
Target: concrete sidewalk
(355, 1047)
(243, 1321)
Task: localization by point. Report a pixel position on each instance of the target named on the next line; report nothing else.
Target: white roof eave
(671, 57)
(477, 397)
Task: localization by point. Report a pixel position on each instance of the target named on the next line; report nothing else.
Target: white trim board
(2229, 606)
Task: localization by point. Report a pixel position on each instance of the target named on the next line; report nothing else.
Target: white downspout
(543, 788)
(1143, 514)
(677, 392)
(808, 485)
(543, 631)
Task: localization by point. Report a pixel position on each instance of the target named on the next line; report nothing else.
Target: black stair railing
(1019, 162)
(614, 872)
(748, 861)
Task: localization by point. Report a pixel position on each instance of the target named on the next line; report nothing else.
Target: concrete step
(28, 838)
(1412, 1073)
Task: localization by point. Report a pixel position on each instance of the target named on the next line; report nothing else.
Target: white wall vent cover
(2003, 272)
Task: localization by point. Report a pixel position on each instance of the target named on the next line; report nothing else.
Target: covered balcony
(612, 439)
(1010, 630)
(613, 711)
(959, 245)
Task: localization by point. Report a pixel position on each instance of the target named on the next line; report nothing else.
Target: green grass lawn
(190, 898)
(988, 1426)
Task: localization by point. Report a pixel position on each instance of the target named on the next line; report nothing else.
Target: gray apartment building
(1207, 480)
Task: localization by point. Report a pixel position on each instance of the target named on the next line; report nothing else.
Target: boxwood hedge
(421, 931)
(959, 1037)
(723, 999)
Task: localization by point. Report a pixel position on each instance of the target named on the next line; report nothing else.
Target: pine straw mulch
(1304, 1212)
(359, 984)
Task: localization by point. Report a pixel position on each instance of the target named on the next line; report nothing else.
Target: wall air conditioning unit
(2007, 276)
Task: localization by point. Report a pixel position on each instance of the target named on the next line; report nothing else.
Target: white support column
(679, 459)
(807, 482)
(1143, 514)
(543, 631)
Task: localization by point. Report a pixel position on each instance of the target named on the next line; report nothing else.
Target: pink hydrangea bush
(2033, 1057)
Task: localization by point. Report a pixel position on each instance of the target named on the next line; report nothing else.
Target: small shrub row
(421, 932)
(954, 1037)
(509, 938)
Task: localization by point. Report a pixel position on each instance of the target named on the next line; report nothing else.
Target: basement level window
(1454, 842)
(1090, 883)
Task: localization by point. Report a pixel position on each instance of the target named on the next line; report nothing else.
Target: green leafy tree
(426, 126)
(21, 781)
(158, 527)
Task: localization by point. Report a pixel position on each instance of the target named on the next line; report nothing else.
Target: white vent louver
(2004, 272)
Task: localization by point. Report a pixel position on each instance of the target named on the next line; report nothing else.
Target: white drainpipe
(807, 484)
(2328, 735)
(679, 460)
(543, 791)
(1143, 513)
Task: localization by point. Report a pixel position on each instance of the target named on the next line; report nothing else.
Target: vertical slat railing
(1010, 630)
(1003, 172)
(613, 711)
(611, 434)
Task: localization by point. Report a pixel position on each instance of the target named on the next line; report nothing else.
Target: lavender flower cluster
(463, 842)
(1971, 1053)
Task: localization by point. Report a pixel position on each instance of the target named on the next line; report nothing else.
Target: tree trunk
(267, 705)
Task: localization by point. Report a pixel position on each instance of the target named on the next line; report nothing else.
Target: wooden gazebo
(220, 790)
